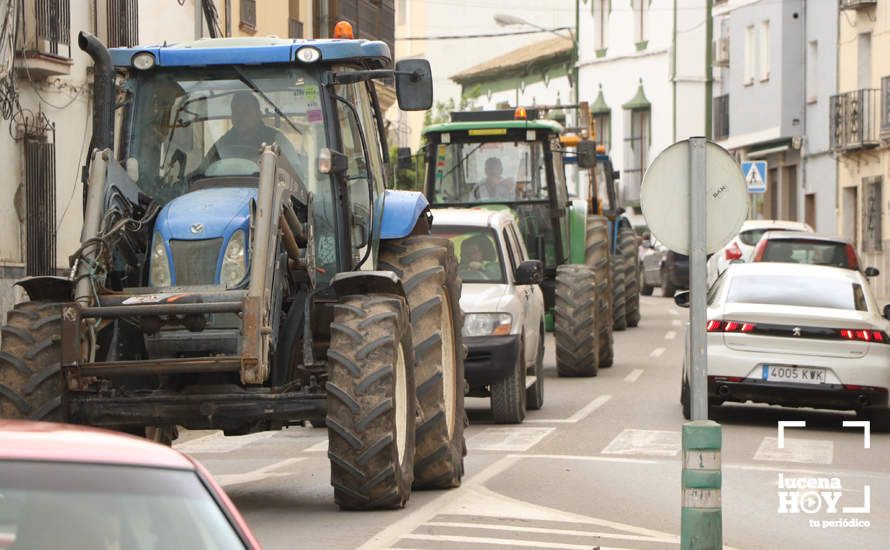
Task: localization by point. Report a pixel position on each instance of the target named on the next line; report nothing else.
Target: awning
(599, 106)
(639, 101)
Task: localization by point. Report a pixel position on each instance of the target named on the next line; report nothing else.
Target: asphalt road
(599, 465)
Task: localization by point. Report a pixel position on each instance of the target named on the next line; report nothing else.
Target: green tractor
(243, 268)
(507, 159)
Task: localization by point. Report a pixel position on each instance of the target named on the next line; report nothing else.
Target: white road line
(657, 352)
(670, 335)
(578, 416)
(807, 451)
(644, 442)
(320, 447)
(634, 374)
(549, 531)
(673, 312)
(219, 443)
(677, 322)
(257, 475)
(499, 542)
(507, 439)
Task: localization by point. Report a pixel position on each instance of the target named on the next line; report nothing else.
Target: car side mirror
(529, 272)
(887, 312)
(414, 84)
(681, 298)
(872, 272)
(586, 151)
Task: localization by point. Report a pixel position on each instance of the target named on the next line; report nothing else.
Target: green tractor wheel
(597, 256)
(627, 246)
(574, 316)
(619, 311)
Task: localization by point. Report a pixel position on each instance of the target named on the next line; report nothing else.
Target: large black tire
(508, 396)
(627, 245)
(534, 396)
(371, 410)
(619, 313)
(428, 270)
(667, 289)
(574, 320)
(30, 362)
(645, 290)
(597, 256)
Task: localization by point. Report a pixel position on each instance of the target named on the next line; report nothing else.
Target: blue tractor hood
(206, 214)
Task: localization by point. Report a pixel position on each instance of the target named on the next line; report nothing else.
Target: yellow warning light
(343, 29)
(519, 113)
(601, 149)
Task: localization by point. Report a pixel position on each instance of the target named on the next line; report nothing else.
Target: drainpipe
(804, 141)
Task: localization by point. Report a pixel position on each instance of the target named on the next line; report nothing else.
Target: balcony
(45, 46)
(721, 117)
(857, 4)
(855, 120)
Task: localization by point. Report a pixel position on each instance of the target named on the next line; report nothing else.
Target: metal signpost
(694, 199)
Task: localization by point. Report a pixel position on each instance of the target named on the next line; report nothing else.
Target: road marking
(657, 352)
(501, 542)
(320, 447)
(634, 374)
(578, 416)
(644, 442)
(670, 335)
(219, 443)
(807, 451)
(507, 439)
(673, 312)
(548, 531)
(677, 322)
(257, 475)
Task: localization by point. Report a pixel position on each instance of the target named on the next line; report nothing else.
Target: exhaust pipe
(103, 92)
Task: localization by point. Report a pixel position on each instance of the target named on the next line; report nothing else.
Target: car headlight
(159, 273)
(487, 324)
(233, 265)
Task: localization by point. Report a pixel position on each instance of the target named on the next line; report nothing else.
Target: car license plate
(789, 373)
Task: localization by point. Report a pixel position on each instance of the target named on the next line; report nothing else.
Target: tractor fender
(401, 212)
(48, 288)
(367, 282)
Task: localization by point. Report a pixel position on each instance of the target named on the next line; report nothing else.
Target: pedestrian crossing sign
(755, 175)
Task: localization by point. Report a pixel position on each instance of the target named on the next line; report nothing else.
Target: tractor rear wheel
(371, 403)
(627, 246)
(597, 256)
(619, 313)
(428, 269)
(574, 320)
(31, 383)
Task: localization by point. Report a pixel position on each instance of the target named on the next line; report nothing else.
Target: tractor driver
(247, 134)
(495, 186)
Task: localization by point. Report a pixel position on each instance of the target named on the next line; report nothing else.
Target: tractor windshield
(490, 172)
(194, 126)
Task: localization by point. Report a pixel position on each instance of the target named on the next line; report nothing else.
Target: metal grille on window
(123, 23)
(40, 198)
(872, 214)
(53, 27)
(885, 105)
(636, 149)
(248, 13)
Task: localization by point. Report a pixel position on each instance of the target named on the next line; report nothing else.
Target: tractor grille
(195, 261)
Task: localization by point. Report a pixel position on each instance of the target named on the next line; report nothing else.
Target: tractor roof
(547, 125)
(251, 51)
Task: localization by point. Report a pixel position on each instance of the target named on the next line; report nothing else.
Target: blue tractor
(242, 266)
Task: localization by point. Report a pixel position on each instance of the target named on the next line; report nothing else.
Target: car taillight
(733, 252)
(852, 260)
(729, 326)
(759, 250)
(876, 336)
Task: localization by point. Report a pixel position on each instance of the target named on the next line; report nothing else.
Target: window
(864, 61)
(781, 290)
(885, 105)
(812, 71)
(601, 11)
(294, 23)
(641, 25)
(479, 257)
(603, 124)
(636, 150)
(750, 55)
(47, 26)
(123, 23)
(763, 51)
(871, 214)
(248, 15)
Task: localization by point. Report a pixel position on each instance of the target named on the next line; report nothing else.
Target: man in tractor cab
(247, 134)
(495, 186)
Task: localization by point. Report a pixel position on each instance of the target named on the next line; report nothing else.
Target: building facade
(859, 118)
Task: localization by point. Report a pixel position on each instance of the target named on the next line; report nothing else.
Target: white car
(741, 247)
(503, 309)
(795, 335)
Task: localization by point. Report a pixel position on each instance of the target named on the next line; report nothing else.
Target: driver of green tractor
(495, 186)
(247, 134)
(478, 259)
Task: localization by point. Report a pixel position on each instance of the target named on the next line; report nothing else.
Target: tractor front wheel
(574, 316)
(619, 311)
(627, 246)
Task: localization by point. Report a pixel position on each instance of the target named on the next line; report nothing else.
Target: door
(533, 301)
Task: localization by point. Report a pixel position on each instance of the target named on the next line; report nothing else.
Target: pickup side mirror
(872, 272)
(414, 84)
(681, 298)
(529, 272)
(586, 150)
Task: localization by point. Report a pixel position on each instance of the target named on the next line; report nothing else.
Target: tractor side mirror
(681, 298)
(586, 150)
(529, 272)
(872, 272)
(414, 84)
(403, 157)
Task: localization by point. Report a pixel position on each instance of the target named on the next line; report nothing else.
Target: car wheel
(645, 290)
(534, 396)
(508, 394)
(667, 289)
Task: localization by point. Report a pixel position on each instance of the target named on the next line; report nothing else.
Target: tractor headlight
(487, 324)
(159, 274)
(233, 265)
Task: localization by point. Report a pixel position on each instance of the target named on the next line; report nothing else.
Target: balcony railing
(47, 28)
(857, 4)
(855, 120)
(721, 117)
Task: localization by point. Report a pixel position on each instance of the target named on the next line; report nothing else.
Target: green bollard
(701, 517)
